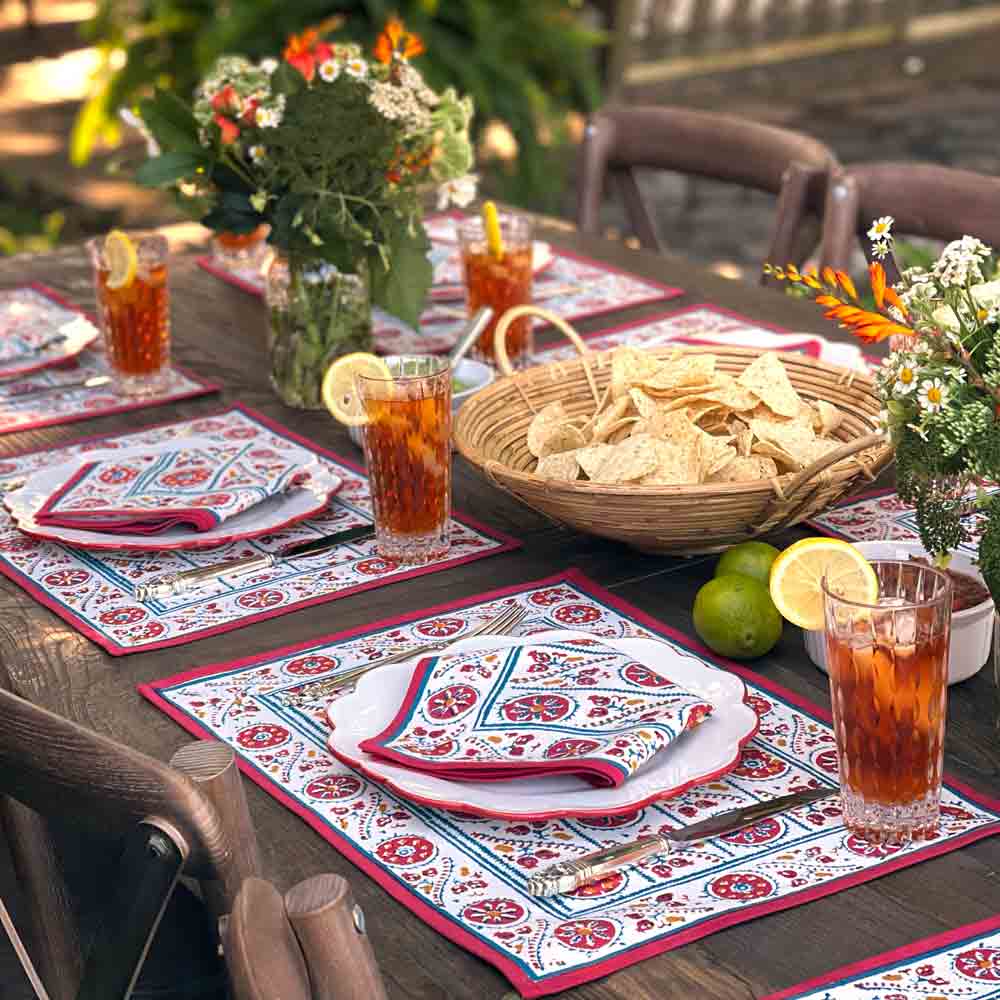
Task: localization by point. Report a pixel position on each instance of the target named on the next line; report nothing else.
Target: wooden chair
(926, 200)
(792, 166)
(190, 818)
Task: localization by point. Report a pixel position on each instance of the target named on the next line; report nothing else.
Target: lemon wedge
(797, 578)
(491, 225)
(340, 393)
(122, 259)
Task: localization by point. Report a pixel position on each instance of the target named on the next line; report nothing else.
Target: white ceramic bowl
(475, 374)
(971, 629)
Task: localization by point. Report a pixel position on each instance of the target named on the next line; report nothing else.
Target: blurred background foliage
(528, 65)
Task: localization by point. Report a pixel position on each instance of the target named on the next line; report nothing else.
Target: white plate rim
(375, 770)
(81, 335)
(92, 540)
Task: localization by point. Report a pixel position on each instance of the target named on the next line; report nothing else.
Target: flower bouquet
(940, 383)
(335, 153)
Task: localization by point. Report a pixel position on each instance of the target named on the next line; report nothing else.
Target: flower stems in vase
(315, 314)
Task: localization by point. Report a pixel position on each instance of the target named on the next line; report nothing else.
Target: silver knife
(178, 583)
(569, 875)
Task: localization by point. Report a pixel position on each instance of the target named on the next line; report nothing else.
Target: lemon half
(122, 259)
(797, 579)
(340, 393)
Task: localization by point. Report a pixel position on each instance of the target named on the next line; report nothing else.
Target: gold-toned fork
(502, 624)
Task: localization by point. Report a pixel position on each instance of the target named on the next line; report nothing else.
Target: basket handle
(517, 312)
(789, 501)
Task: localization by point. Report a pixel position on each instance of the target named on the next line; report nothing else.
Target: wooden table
(220, 333)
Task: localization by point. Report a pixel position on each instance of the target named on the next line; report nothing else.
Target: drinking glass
(136, 318)
(499, 282)
(238, 251)
(888, 666)
(408, 451)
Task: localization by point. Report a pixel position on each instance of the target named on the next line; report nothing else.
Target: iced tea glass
(408, 451)
(136, 318)
(499, 282)
(888, 666)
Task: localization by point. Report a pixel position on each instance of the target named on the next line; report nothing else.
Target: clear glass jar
(315, 314)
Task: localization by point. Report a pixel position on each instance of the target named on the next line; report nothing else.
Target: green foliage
(989, 549)
(525, 62)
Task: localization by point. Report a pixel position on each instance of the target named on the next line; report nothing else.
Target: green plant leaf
(170, 122)
(168, 168)
(401, 289)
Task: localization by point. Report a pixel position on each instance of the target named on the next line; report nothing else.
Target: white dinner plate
(78, 333)
(265, 518)
(448, 283)
(697, 756)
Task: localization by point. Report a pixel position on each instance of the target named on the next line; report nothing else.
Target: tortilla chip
(622, 429)
(591, 458)
(562, 465)
(767, 379)
(606, 422)
(686, 370)
(830, 418)
(744, 441)
(630, 367)
(678, 463)
(629, 461)
(645, 405)
(778, 454)
(715, 456)
(542, 424)
(743, 469)
(794, 437)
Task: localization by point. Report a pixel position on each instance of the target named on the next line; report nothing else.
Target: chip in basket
(683, 421)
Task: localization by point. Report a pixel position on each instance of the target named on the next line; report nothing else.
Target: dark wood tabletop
(219, 332)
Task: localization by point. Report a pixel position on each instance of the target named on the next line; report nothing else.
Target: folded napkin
(194, 487)
(570, 706)
(21, 336)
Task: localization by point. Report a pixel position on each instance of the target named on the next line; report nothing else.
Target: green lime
(735, 616)
(749, 558)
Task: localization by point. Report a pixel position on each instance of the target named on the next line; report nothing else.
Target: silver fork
(502, 624)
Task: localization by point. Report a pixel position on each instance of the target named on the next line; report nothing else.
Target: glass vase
(316, 313)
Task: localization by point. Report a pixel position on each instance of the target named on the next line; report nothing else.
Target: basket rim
(849, 376)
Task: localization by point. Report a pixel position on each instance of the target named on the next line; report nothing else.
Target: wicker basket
(492, 426)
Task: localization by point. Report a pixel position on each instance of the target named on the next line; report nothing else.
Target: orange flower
(300, 52)
(876, 274)
(230, 130)
(845, 282)
(395, 40)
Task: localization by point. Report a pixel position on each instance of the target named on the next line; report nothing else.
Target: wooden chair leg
(789, 212)
(635, 209)
(211, 765)
(331, 930)
(262, 953)
(50, 925)
(840, 222)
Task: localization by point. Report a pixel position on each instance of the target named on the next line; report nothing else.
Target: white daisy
(933, 394)
(329, 70)
(356, 67)
(267, 117)
(881, 249)
(881, 229)
(257, 153)
(906, 379)
(269, 65)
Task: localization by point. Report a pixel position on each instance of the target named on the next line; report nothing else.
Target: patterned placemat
(22, 411)
(95, 591)
(881, 516)
(963, 964)
(466, 876)
(707, 324)
(592, 289)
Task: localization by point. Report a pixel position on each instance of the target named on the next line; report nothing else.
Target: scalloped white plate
(697, 756)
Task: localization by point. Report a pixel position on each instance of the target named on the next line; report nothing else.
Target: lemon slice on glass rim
(122, 259)
(797, 574)
(340, 392)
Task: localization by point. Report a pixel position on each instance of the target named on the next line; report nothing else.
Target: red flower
(229, 129)
(225, 100)
(300, 52)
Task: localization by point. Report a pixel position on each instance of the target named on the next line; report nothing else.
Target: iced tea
(499, 282)
(888, 666)
(408, 451)
(136, 318)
